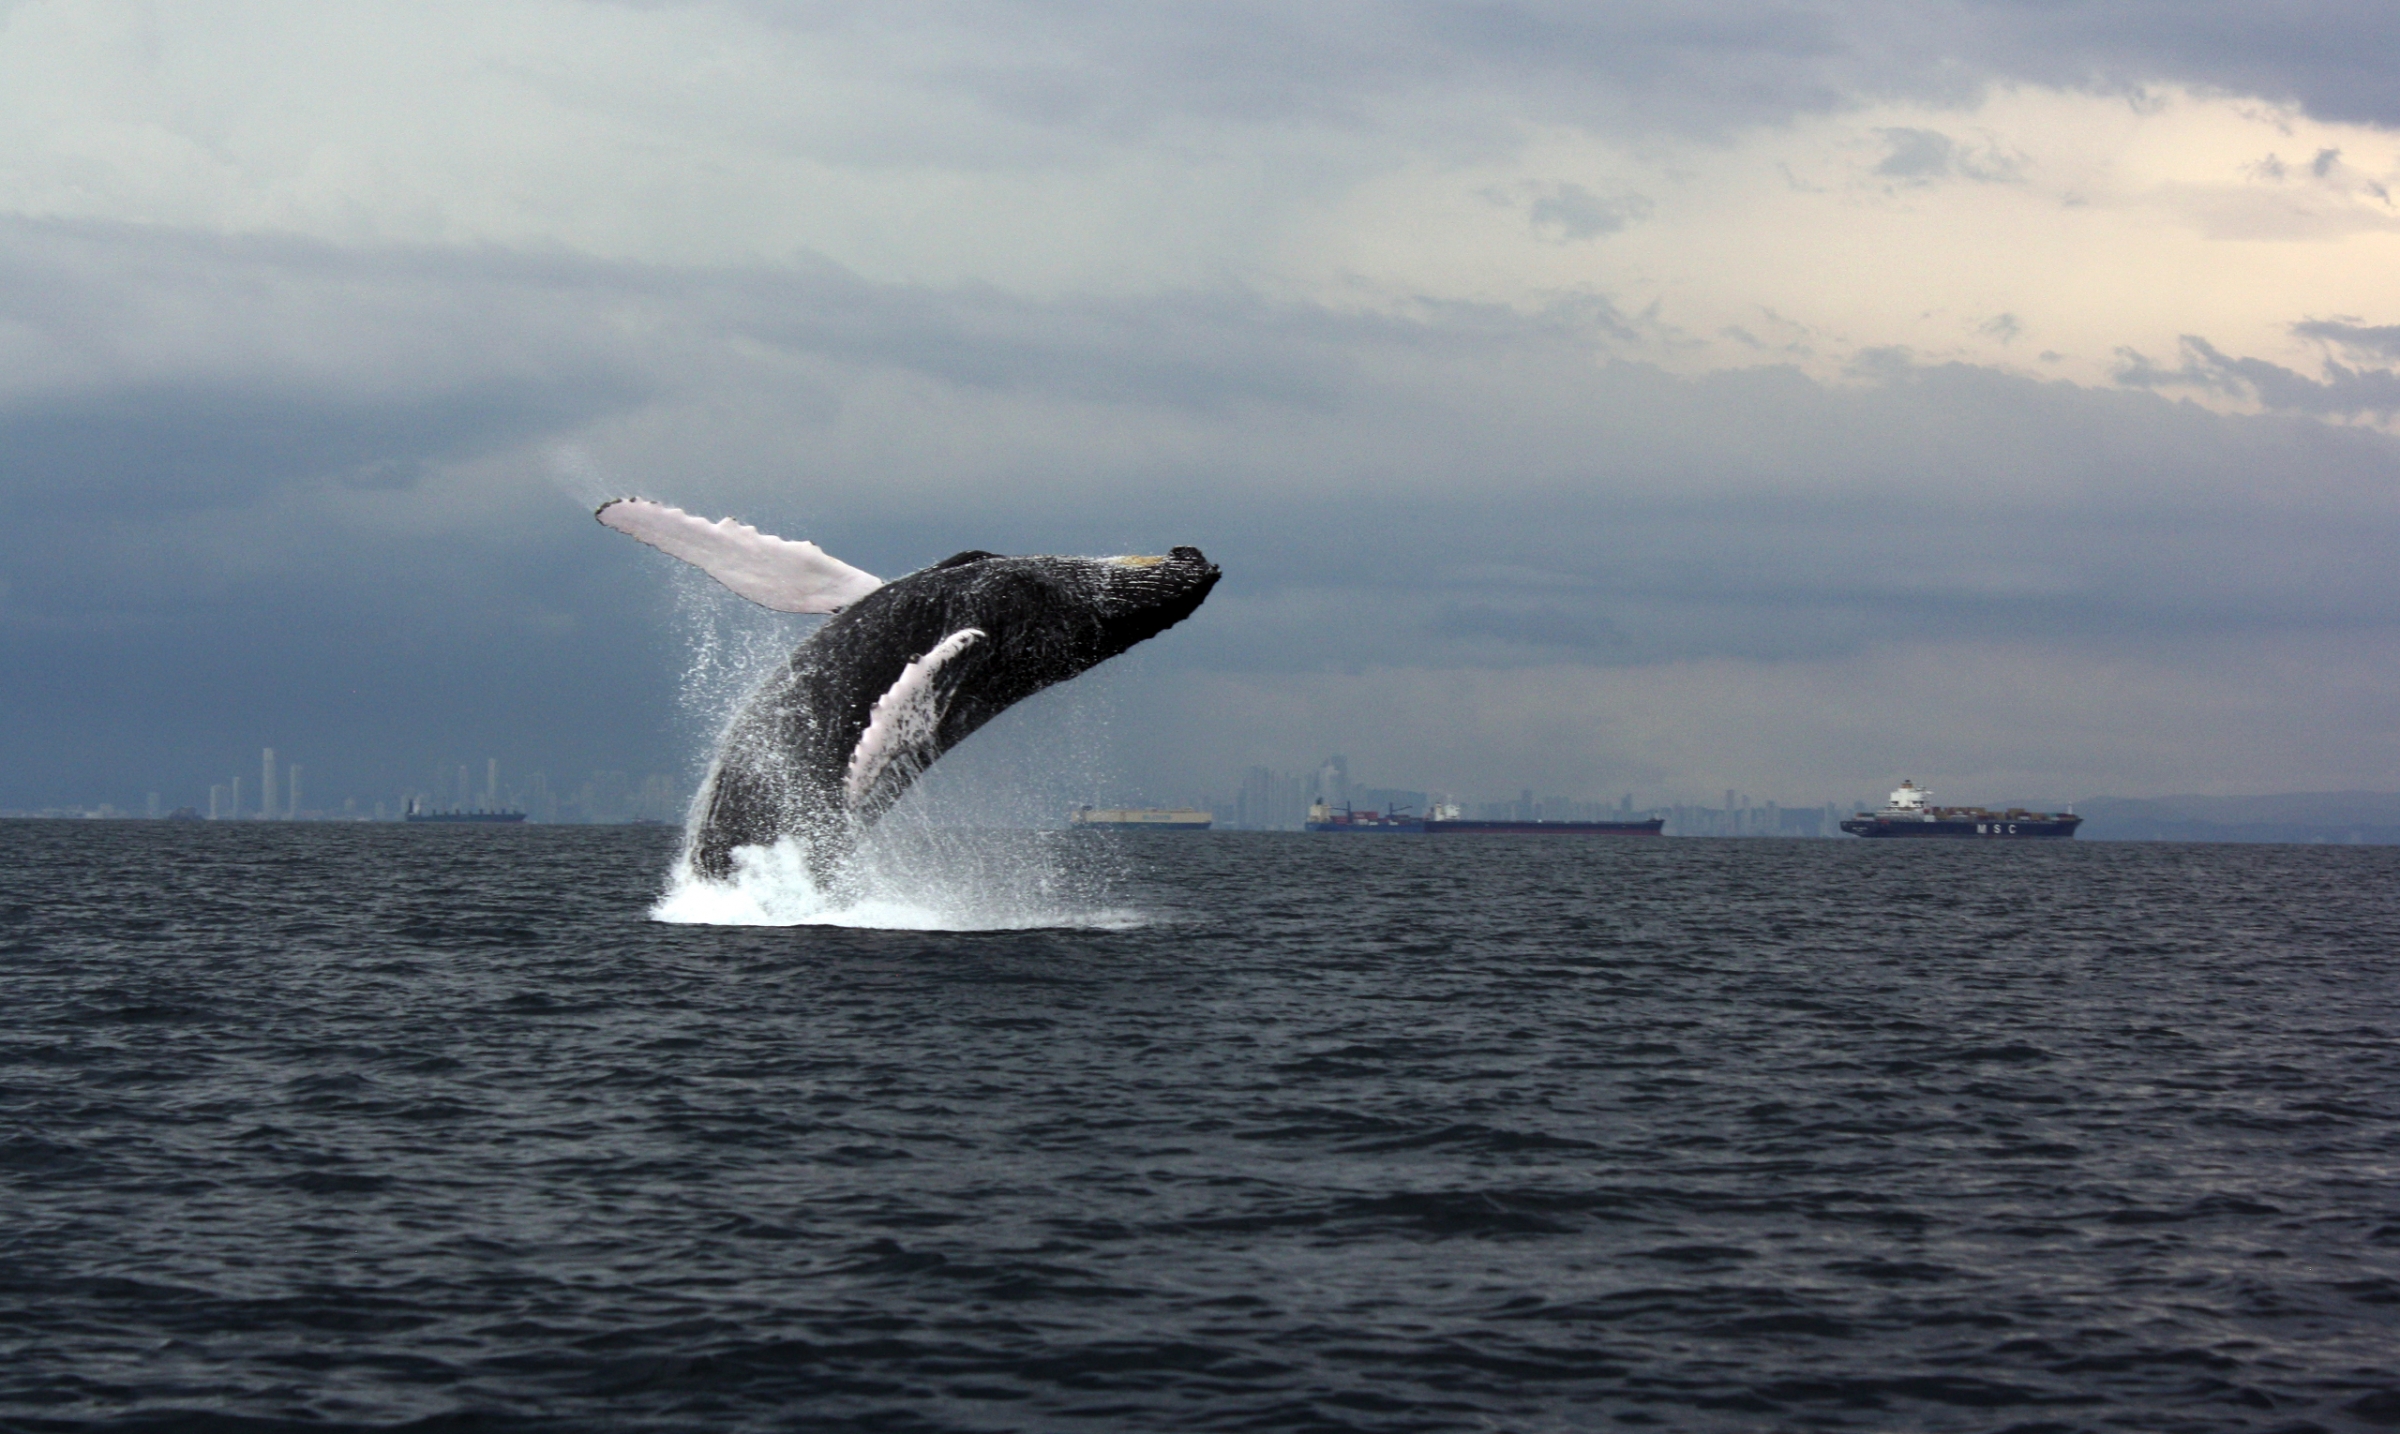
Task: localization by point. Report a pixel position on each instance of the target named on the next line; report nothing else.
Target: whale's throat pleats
(901, 729)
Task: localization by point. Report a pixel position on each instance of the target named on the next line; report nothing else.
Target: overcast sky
(1655, 397)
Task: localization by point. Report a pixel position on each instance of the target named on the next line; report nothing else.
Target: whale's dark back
(782, 768)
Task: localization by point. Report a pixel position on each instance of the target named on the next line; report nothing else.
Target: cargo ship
(1446, 819)
(1910, 813)
(1323, 817)
(1138, 819)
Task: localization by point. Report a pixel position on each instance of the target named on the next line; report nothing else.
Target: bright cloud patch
(2039, 223)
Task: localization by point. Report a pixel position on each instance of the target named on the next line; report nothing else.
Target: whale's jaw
(836, 735)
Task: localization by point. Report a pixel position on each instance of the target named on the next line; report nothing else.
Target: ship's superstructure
(1910, 813)
(1325, 817)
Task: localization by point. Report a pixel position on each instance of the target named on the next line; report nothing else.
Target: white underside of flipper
(905, 718)
(774, 572)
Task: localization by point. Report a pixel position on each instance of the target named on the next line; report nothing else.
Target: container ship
(1445, 819)
(1138, 819)
(1910, 813)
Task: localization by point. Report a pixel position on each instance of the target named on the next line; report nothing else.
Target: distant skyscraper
(235, 810)
(491, 783)
(466, 791)
(1271, 801)
(291, 805)
(216, 804)
(266, 785)
(1333, 780)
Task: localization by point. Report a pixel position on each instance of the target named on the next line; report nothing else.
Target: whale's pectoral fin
(906, 722)
(770, 571)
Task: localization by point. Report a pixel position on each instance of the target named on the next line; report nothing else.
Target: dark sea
(315, 1127)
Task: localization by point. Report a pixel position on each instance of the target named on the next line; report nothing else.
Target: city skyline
(1259, 797)
(656, 796)
(1267, 799)
(604, 795)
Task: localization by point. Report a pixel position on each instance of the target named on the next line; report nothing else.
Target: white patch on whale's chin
(905, 717)
(1134, 562)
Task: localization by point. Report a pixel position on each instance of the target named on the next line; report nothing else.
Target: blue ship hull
(1984, 827)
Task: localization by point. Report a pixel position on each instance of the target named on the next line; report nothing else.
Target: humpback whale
(900, 672)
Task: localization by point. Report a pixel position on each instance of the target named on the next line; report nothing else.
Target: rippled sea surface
(308, 1127)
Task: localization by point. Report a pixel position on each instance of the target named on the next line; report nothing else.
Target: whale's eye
(960, 560)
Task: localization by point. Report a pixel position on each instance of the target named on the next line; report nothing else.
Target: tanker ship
(1910, 813)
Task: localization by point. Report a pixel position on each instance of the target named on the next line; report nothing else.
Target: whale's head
(1141, 597)
(1042, 620)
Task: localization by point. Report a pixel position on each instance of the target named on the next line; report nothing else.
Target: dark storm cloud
(1706, 65)
(2375, 340)
(1177, 350)
(1916, 154)
(1079, 66)
(2344, 392)
(1571, 212)
(1478, 486)
(2331, 57)
(1448, 433)
(160, 371)
(151, 447)
(1488, 494)
(1921, 156)
(231, 472)
(1535, 626)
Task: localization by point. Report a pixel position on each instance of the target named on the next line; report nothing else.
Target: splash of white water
(923, 881)
(916, 870)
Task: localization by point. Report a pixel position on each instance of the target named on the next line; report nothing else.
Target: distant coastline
(2293, 818)
(2347, 818)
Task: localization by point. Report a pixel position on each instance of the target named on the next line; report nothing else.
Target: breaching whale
(899, 674)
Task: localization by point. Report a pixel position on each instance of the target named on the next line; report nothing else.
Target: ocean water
(315, 1127)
